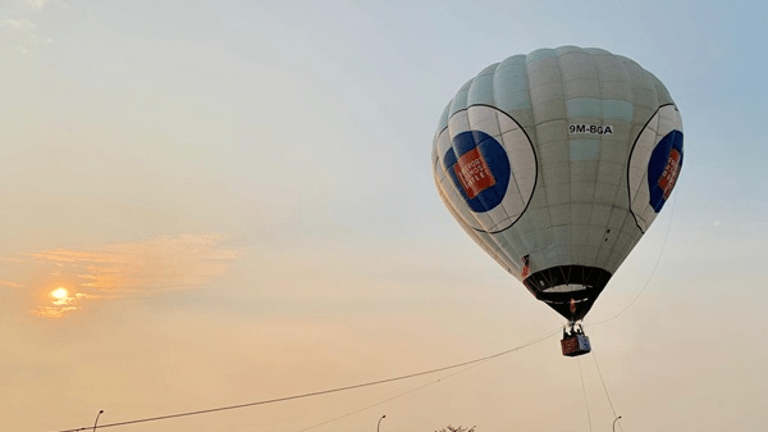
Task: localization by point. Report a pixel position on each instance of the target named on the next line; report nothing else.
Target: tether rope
(584, 391)
(316, 393)
(610, 402)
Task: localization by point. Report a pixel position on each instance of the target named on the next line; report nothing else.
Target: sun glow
(60, 293)
(60, 301)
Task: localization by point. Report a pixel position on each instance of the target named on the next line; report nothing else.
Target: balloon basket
(575, 344)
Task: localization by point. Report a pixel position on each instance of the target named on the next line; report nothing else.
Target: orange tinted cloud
(10, 284)
(59, 305)
(151, 266)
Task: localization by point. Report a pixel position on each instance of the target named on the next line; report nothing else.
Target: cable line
(405, 377)
(316, 393)
(413, 390)
(584, 390)
(610, 402)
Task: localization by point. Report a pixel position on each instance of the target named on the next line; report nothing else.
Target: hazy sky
(237, 198)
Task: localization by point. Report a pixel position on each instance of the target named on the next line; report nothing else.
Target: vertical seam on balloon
(601, 151)
(613, 244)
(596, 70)
(621, 230)
(496, 116)
(531, 139)
(617, 237)
(629, 160)
(513, 174)
(533, 131)
(565, 119)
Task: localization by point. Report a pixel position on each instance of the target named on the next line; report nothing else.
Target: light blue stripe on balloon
(618, 109)
(584, 107)
(596, 108)
(585, 150)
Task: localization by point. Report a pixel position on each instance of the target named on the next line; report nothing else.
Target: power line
(316, 393)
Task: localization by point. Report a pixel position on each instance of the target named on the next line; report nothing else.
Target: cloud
(35, 4)
(149, 267)
(10, 284)
(53, 311)
(160, 263)
(22, 34)
(60, 305)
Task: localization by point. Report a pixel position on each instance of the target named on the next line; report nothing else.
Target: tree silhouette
(450, 428)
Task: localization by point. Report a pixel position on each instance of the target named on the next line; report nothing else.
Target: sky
(215, 203)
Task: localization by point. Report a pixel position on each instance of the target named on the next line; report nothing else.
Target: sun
(60, 301)
(60, 293)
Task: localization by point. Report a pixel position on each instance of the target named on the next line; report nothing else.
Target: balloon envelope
(556, 163)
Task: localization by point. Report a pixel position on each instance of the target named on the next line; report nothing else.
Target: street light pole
(613, 428)
(379, 423)
(97, 419)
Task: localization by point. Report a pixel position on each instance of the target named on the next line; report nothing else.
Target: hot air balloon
(556, 163)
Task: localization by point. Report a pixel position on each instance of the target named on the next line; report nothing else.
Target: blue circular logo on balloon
(480, 169)
(664, 168)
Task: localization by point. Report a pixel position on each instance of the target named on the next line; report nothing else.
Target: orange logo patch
(473, 173)
(671, 171)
